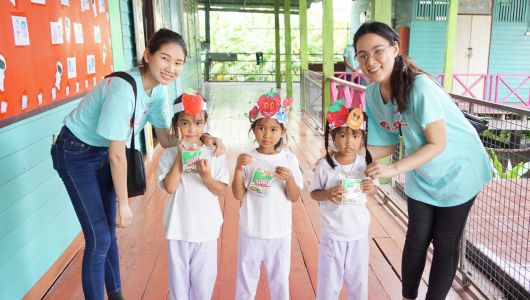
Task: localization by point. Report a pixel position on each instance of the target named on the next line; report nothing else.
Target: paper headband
(270, 105)
(192, 103)
(338, 116)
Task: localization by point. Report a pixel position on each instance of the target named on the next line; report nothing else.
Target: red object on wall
(34, 74)
(404, 40)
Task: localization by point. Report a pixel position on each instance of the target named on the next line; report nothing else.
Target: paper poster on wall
(56, 32)
(94, 8)
(85, 5)
(58, 74)
(3, 67)
(71, 67)
(14, 2)
(91, 64)
(20, 29)
(104, 53)
(101, 6)
(39, 97)
(67, 29)
(38, 1)
(78, 33)
(97, 35)
(3, 107)
(65, 2)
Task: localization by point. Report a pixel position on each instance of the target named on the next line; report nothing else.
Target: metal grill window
(431, 10)
(513, 11)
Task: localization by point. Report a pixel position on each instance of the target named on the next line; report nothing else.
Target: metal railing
(245, 68)
(495, 256)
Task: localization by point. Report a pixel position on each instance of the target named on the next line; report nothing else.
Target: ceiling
(264, 6)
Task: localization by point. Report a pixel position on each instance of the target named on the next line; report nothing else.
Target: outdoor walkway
(143, 247)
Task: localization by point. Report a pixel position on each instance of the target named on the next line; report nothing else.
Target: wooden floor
(142, 246)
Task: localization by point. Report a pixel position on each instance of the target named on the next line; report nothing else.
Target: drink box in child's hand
(261, 182)
(353, 193)
(189, 160)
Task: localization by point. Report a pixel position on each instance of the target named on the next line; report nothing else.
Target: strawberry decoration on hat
(338, 114)
(269, 105)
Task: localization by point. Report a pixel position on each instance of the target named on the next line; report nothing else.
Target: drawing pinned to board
(94, 81)
(3, 67)
(94, 8)
(3, 107)
(54, 93)
(65, 2)
(85, 5)
(39, 1)
(20, 30)
(91, 64)
(57, 32)
(58, 74)
(14, 2)
(24, 100)
(39, 97)
(77, 86)
(104, 53)
(97, 35)
(71, 67)
(67, 89)
(78, 33)
(86, 83)
(101, 6)
(67, 29)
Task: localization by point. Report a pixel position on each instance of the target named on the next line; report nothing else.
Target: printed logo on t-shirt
(392, 126)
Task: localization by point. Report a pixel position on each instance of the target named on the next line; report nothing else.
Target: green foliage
(509, 173)
(504, 135)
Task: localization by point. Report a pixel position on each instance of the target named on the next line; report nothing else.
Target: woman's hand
(243, 160)
(204, 169)
(368, 187)
(214, 142)
(124, 214)
(376, 170)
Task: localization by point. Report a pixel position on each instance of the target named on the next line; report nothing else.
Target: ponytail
(326, 146)
(401, 80)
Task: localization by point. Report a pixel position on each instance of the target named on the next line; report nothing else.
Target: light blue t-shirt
(454, 176)
(349, 54)
(105, 113)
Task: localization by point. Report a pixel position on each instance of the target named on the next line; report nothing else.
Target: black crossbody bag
(135, 162)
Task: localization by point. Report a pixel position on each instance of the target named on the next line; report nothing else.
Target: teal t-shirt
(105, 113)
(454, 176)
(349, 54)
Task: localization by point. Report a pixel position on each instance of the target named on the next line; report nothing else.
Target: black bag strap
(128, 77)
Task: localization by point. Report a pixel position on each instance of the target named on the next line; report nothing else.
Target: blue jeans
(85, 171)
(443, 226)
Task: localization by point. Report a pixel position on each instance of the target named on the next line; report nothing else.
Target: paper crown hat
(192, 103)
(270, 105)
(339, 116)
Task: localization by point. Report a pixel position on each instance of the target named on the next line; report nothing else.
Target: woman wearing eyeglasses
(445, 163)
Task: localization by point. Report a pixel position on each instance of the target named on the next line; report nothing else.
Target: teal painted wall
(37, 221)
(427, 44)
(509, 54)
(128, 39)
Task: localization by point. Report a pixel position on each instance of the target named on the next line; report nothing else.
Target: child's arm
(333, 194)
(238, 187)
(172, 179)
(292, 189)
(368, 187)
(216, 187)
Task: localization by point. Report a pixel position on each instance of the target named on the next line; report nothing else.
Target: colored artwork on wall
(50, 52)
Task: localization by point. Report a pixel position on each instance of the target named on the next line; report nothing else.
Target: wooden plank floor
(143, 251)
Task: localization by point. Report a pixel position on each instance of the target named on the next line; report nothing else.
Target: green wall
(427, 45)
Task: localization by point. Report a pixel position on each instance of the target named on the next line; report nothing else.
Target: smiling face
(347, 141)
(376, 57)
(268, 133)
(165, 65)
(191, 127)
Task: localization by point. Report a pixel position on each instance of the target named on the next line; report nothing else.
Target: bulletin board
(51, 51)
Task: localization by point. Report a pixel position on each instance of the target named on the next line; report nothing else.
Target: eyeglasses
(377, 54)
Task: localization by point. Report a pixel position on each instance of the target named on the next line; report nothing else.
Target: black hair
(160, 38)
(331, 133)
(404, 69)
(174, 120)
(280, 142)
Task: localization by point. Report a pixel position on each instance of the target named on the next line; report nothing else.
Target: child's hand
(178, 136)
(203, 168)
(335, 194)
(243, 160)
(283, 173)
(368, 187)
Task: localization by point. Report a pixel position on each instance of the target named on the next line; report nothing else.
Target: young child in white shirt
(340, 187)
(267, 180)
(193, 218)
